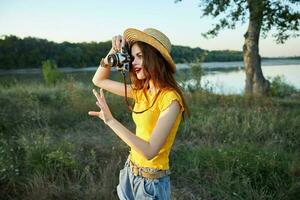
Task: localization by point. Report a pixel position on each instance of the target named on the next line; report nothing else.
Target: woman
(158, 110)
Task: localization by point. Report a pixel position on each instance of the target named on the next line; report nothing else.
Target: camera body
(121, 60)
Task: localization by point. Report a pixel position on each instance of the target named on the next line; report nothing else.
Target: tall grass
(232, 147)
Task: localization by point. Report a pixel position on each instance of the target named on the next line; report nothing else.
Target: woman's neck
(152, 88)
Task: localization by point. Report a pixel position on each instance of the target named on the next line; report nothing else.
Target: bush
(190, 80)
(280, 88)
(50, 73)
(44, 154)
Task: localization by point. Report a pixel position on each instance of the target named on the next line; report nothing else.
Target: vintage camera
(121, 60)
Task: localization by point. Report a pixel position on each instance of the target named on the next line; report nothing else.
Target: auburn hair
(155, 67)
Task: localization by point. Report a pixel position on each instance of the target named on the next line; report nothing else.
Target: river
(221, 77)
(229, 77)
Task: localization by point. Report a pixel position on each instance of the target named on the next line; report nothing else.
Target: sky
(100, 20)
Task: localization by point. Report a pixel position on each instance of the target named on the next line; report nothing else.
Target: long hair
(157, 69)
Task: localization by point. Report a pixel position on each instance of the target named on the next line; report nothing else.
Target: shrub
(190, 80)
(280, 88)
(43, 154)
(50, 73)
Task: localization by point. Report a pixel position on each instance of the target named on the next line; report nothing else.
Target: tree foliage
(279, 16)
(182, 54)
(50, 73)
(282, 18)
(30, 52)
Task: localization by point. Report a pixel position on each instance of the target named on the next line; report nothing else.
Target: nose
(134, 61)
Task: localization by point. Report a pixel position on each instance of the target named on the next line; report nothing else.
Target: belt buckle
(135, 170)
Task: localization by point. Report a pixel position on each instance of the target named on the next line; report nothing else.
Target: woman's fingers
(117, 43)
(113, 43)
(104, 113)
(101, 92)
(101, 102)
(123, 41)
(94, 113)
(99, 105)
(97, 95)
(102, 96)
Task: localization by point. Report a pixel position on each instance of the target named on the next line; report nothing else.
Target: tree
(280, 16)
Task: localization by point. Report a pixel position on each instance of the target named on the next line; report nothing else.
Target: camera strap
(130, 106)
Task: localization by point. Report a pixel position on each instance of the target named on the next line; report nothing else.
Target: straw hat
(153, 37)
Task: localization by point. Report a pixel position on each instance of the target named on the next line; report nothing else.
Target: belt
(140, 171)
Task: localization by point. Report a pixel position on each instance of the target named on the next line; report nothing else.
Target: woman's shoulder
(169, 92)
(167, 97)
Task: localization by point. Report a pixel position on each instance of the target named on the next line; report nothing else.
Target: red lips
(137, 69)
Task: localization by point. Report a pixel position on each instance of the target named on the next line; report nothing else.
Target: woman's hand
(104, 113)
(116, 44)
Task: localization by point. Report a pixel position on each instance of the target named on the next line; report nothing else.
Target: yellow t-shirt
(146, 121)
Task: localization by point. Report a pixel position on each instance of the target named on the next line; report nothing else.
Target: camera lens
(113, 60)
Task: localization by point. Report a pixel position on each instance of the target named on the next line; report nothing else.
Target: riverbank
(217, 66)
(220, 77)
(232, 147)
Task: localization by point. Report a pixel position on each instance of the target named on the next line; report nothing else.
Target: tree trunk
(255, 81)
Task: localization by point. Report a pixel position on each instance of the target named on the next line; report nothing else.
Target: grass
(232, 147)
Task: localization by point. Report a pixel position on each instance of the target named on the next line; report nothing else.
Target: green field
(232, 147)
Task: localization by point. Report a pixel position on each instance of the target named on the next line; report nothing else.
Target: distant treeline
(30, 52)
(16, 53)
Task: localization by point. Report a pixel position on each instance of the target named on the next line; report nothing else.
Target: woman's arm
(159, 135)
(101, 77)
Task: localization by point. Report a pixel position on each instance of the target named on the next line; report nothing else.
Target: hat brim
(133, 35)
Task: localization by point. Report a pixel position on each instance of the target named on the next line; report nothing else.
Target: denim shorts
(132, 187)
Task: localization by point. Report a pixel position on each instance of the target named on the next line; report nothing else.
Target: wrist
(110, 121)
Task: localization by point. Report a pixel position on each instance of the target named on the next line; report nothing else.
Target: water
(233, 82)
(229, 77)
(221, 77)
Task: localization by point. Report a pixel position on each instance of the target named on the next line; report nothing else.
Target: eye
(138, 55)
